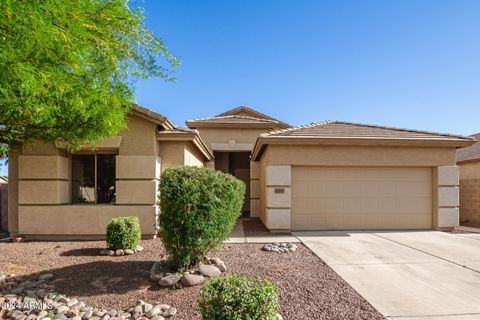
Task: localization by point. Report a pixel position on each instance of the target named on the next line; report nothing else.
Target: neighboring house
(468, 160)
(3, 203)
(324, 176)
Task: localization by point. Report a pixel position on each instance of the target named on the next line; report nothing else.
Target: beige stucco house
(323, 176)
(468, 160)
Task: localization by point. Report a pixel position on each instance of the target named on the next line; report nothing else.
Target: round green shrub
(123, 233)
(238, 297)
(199, 208)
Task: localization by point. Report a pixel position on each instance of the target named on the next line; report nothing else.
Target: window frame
(95, 154)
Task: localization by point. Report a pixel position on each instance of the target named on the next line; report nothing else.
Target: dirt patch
(309, 289)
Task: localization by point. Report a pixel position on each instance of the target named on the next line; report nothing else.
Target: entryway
(238, 165)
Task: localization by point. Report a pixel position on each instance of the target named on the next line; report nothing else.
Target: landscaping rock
(190, 280)
(221, 266)
(61, 307)
(45, 276)
(156, 276)
(128, 251)
(170, 280)
(119, 252)
(104, 252)
(209, 270)
(283, 247)
(138, 248)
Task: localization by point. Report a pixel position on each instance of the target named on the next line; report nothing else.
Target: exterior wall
(192, 157)
(278, 197)
(360, 156)
(448, 197)
(277, 159)
(172, 153)
(79, 221)
(263, 186)
(3, 206)
(40, 188)
(255, 189)
(470, 193)
(230, 139)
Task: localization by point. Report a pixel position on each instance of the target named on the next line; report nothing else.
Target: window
(93, 178)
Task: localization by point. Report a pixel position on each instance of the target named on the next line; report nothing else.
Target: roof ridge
(310, 125)
(322, 123)
(233, 116)
(403, 129)
(251, 110)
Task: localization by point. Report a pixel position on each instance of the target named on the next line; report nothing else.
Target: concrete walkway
(240, 235)
(416, 275)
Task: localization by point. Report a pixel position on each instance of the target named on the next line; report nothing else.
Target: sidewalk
(253, 231)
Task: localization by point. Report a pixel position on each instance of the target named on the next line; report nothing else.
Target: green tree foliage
(199, 208)
(68, 68)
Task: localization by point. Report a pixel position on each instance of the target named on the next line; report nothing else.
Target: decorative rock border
(283, 247)
(159, 273)
(36, 300)
(120, 252)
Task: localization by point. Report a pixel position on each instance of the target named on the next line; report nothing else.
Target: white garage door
(342, 198)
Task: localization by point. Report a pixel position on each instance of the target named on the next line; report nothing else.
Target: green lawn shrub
(238, 297)
(199, 208)
(123, 233)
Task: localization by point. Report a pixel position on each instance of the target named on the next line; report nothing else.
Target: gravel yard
(309, 289)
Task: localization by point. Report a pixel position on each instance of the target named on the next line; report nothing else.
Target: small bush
(238, 297)
(123, 233)
(199, 208)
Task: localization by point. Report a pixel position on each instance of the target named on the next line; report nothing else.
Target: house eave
(262, 142)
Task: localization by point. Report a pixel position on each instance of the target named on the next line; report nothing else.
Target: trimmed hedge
(238, 297)
(123, 233)
(199, 208)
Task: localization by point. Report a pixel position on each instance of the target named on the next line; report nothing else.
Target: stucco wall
(192, 156)
(139, 138)
(41, 187)
(3, 206)
(263, 186)
(470, 193)
(358, 156)
(243, 138)
(172, 153)
(84, 221)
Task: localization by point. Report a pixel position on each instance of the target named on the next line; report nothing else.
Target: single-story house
(323, 176)
(468, 160)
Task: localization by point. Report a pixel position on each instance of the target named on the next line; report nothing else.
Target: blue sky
(407, 63)
(412, 64)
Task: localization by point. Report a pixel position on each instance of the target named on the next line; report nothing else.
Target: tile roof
(151, 115)
(471, 153)
(343, 129)
(254, 113)
(234, 119)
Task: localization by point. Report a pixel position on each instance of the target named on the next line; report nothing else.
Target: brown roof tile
(254, 113)
(342, 129)
(471, 153)
(233, 119)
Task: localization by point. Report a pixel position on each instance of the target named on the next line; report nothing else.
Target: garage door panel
(361, 198)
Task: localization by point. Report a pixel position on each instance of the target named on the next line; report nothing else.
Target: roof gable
(471, 153)
(249, 112)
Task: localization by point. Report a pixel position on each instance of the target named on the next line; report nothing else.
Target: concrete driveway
(406, 274)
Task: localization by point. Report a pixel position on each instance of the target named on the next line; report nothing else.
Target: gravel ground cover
(309, 289)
